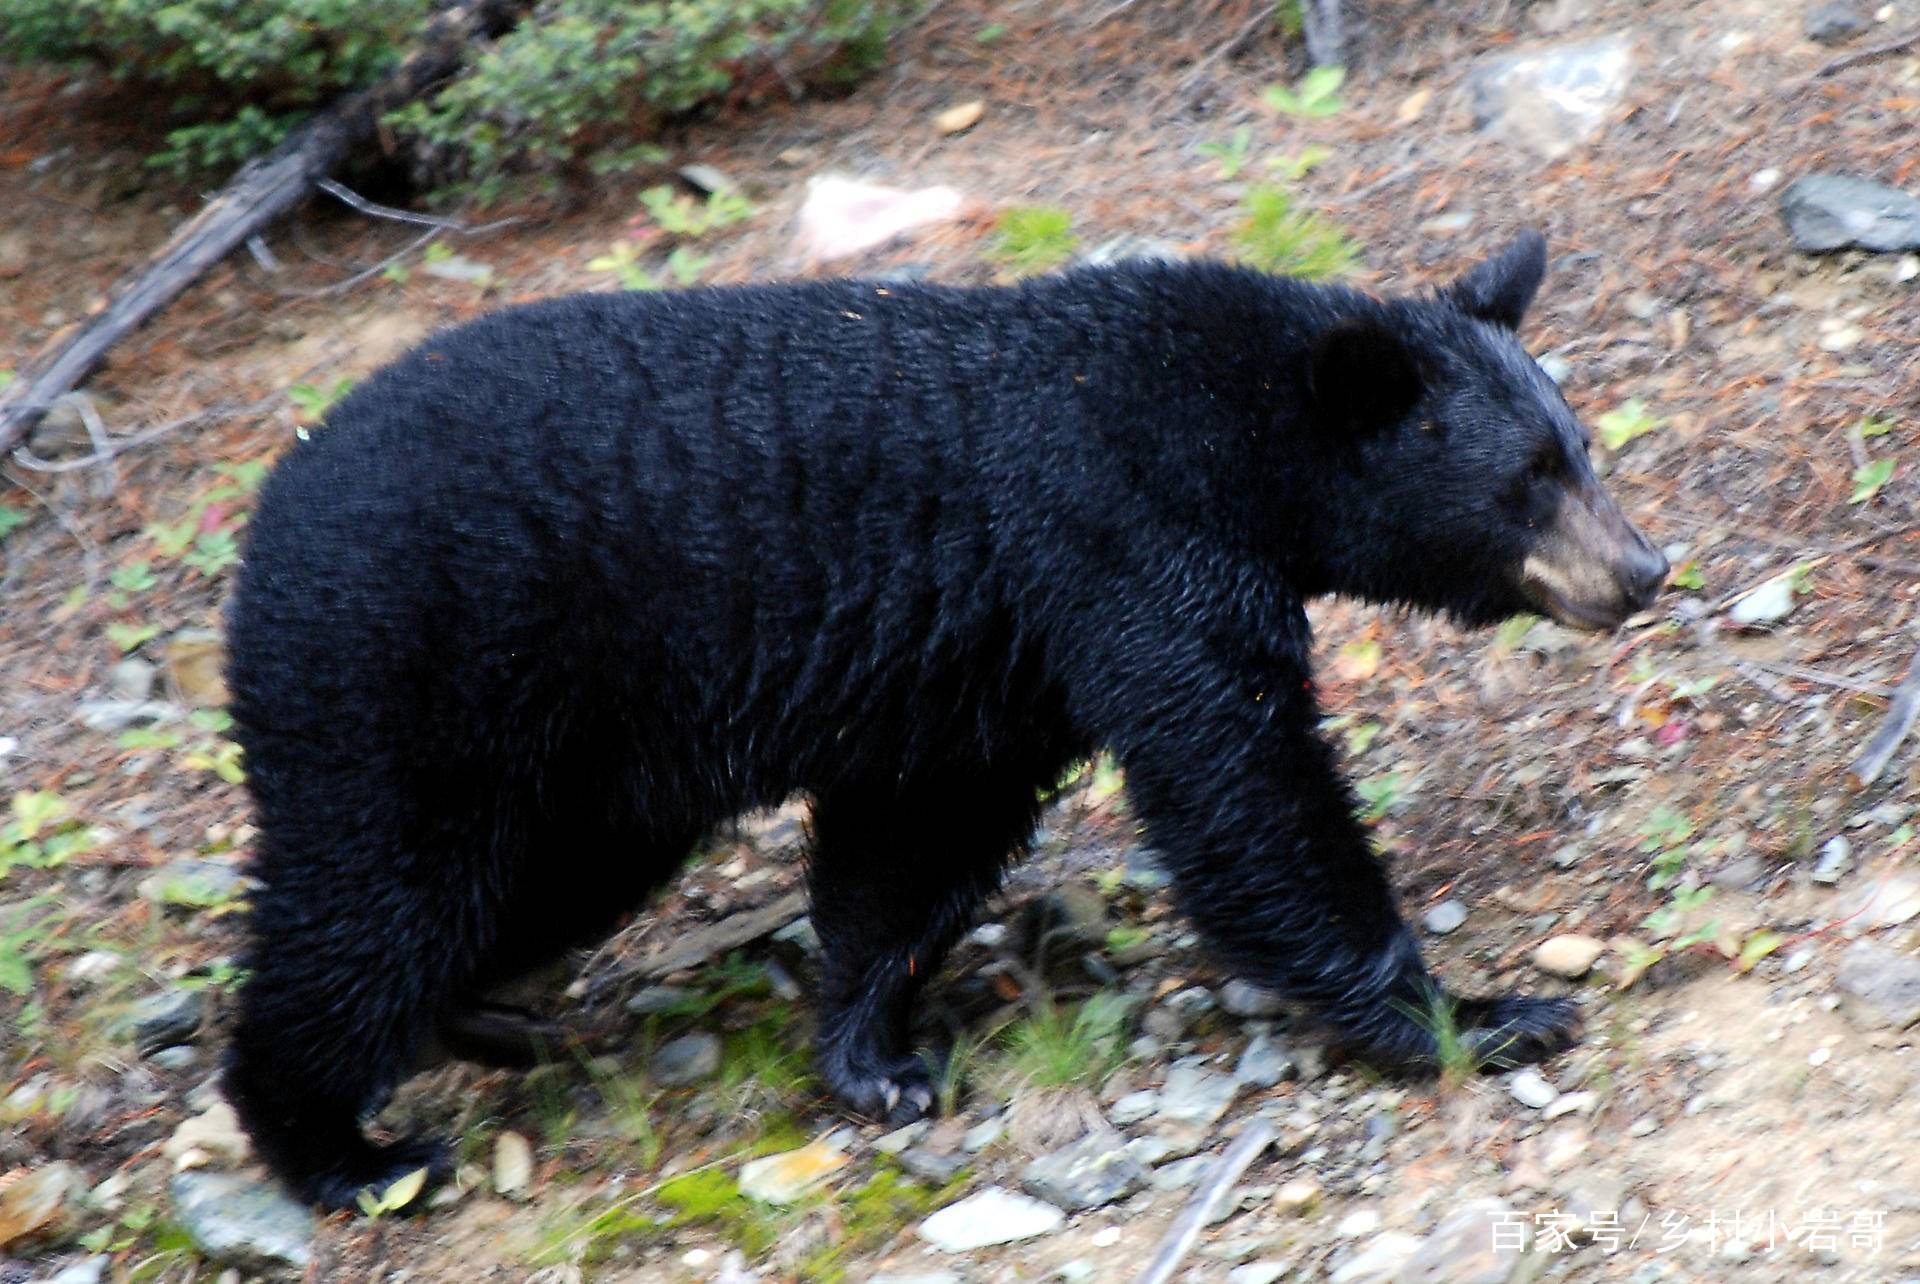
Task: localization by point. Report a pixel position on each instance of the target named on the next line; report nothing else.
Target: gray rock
(1182, 1173)
(1134, 1107)
(687, 1059)
(656, 999)
(982, 1135)
(927, 1166)
(178, 1057)
(1832, 211)
(1257, 1273)
(1836, 858)
(1244, 999)
(242, 1222)
(132, 678)
(993, 1216)
(1445, 917)
(1090, 1173)
(1771, 603)
(799, 934)
(1464, 1249)
(1552, 100)
(1264, 1063)
(1128, 246)
(1834, 24)
(1885, 981)
(165, 1019)
(89, 1270)
(93, 968)
(924, 1277)
(900, 1138)
(194, 881)
(118, 715)
(1378, 1262)
(1530, 1088)
(1195, 1095)
(458, 267)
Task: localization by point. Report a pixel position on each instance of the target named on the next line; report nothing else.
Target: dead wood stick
(1879, 751)
(730, 933)
(262, 190)
(1873, 54)
(1193, 1219)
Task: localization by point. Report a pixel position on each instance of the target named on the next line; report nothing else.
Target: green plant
(42, 833)
(1869, 477)
(1383, 794)
(11, 518)
(23, 930)
(1291, 168)
(1060, 1048)
(1231, 152)
(678, 214)
(1626, 421)
(1457, 1058)
(1275, 236)
(1032, 238)
(569, 82)
(1690, 576)
(313, 401)
(1317, 94)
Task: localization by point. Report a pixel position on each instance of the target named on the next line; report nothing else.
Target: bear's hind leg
(897, 875)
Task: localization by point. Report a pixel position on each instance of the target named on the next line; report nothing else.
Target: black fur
(555, 594)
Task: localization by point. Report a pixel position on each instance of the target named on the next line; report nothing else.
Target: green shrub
(1276, 236)
(573, 79)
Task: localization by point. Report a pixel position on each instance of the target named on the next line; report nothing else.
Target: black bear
(555, 594)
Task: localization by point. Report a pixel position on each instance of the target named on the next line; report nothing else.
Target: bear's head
(1465, 479)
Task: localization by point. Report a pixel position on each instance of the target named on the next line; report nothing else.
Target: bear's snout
(1591, 568)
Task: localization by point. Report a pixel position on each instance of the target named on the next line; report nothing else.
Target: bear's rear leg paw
(1518, 1029)
(374, 1169)
(892, 1090)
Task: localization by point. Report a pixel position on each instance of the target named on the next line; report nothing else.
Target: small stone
(784, 1178)
(1297, 1195)
(1380, 1260)
(1552, 100)
(993, 1216)
(1105, 1237)
(1244, 999)
(1572, 1103)
(1468, 1248)
(1836, 858)
(90, 1270)
(512, 1166)
(799, 934)
(1195, 1095)
(458, 267)
(687, 1059)
(1264, 1063)
(1885, 983)
(1181, 1173)
(215, 1134)
(900, 1138)
(1644, 1126)
(117, 715)
(196, 661)
(1257, 1273)
(931, 1167)
(1768, 604)
(710, 179)
(1090, 1173)
(1144, 868)
(1134, 1107)
(93, 968)
(1827, 212)
(982, 1135)
(1362, 1221)
(1841, 338)
(1530, 1088)
(36, 1203)
(656, 999)
(195, 882)
(1571, 956)
(1445, 917)
(960, 117)
(243, 1222)
(165, 1019)
(178, 1057)
(1834, 24)
(132, 678)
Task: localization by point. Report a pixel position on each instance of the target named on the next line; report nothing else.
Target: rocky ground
(1659, 822)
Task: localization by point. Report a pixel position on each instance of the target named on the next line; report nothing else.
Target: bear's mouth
(1569, 611)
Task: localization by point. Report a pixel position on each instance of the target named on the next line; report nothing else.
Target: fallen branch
(1185, 1231)
(703, 945)
(1879, 751)
(262, 190)
(1875, 53)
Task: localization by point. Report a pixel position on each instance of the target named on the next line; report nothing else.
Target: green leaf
(1869, 478)
(1629, 420)
(1689, 577)
(1316, 94)
(1360, 737)
(1513, 632)
(11, 519)
(1871, 426)
(127, 637)
(1032, 238)
(1757, 947)
(990, 33)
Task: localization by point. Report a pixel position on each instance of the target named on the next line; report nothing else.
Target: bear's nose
(1645, 573)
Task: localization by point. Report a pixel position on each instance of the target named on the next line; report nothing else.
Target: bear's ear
(1362, 376)
(1500, 289)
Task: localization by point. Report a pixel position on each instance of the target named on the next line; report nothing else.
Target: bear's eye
(1546, 465)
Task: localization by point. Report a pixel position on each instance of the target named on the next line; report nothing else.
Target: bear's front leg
(898, 872)
(1258, 829)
